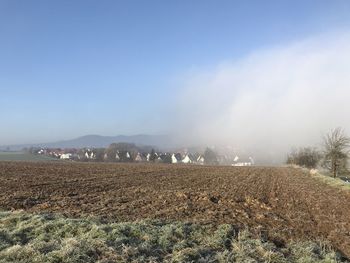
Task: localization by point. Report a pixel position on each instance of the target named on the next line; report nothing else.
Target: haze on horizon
(261, 75)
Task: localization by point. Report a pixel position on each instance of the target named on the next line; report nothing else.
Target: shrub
(305, 157)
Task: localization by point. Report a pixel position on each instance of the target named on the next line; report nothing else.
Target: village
(126, 152)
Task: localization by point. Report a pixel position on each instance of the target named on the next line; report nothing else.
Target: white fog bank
(273, 99)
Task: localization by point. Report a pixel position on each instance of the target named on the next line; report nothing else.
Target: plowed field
(283, 203)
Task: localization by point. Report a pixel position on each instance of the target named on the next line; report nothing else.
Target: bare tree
(336, 151)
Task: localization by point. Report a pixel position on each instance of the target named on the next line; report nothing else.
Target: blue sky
(71, 68)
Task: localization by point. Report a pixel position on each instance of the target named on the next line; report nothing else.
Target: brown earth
(283, 203)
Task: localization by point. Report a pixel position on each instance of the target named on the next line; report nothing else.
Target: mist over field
(273, 99)
(174, 131)
(226, 74)
(265, 103)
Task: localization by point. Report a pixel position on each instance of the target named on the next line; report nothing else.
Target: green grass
(28, 238)
(336, 182)
(330, 180)
(21, 156)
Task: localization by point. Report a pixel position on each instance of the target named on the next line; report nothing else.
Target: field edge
(52, 237)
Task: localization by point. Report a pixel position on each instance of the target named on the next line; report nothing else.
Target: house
(140, 158)
(66, 156)
(176, 158)
(89, 154)
(200, 160)
(123, 156)
(187, 159)
(173, 158)
(117, 156)
(165, 158)
(56, 153)
(243, 161)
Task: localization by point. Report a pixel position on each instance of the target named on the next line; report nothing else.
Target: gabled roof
(188, 158)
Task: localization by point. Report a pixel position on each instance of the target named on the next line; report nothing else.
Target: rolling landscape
(178, 131)
(96, 141)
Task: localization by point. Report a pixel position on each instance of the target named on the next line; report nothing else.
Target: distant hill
(96, 141)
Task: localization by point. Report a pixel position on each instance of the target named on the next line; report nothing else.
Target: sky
(247, 73)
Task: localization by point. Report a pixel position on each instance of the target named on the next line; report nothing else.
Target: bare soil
(283, 203)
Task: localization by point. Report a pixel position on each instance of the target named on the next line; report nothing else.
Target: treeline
(333, 155)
